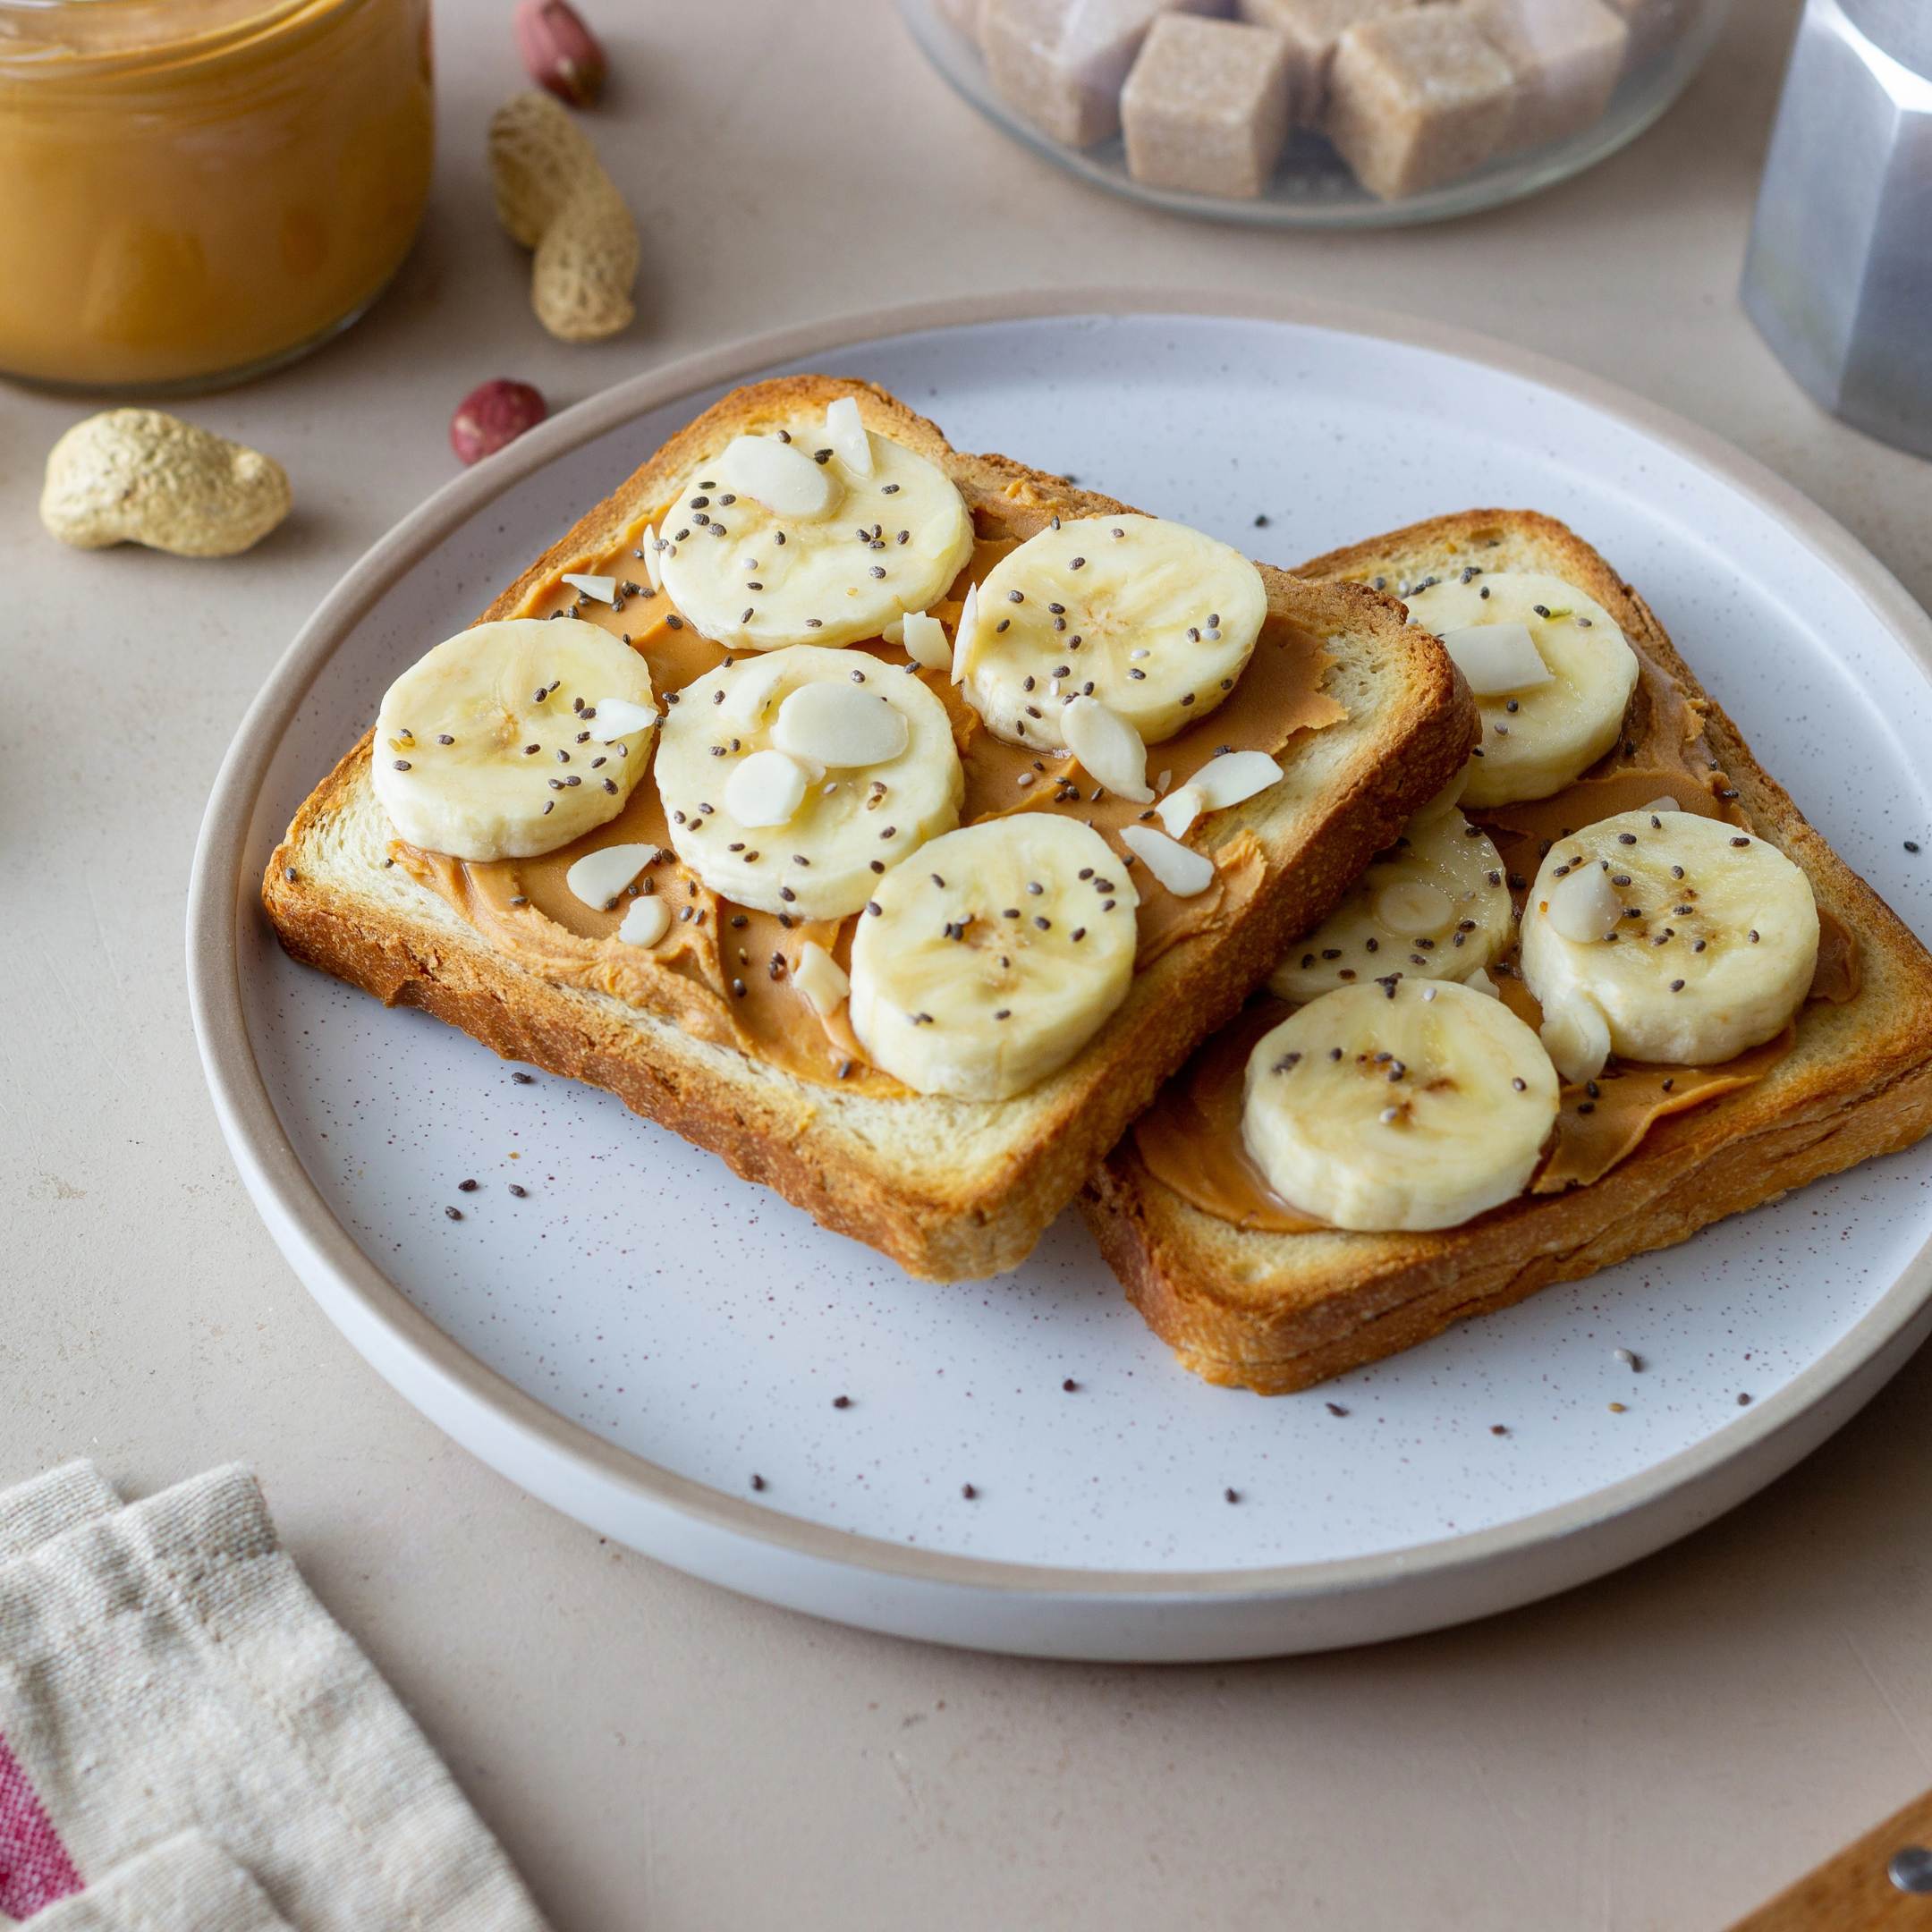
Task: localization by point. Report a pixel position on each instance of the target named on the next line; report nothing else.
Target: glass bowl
(1311, 186)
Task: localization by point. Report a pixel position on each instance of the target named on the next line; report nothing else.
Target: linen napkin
(190, 1743)
(187, 1884)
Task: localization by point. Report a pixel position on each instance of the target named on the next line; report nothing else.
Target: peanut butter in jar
(194, 189)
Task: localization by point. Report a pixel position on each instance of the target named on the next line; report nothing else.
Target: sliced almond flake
(778, 475)
(1235, 776)
(846, 432)
(821, 978)
(841, 726)
(924, 641)
(963, 633)
(618, 717)
(1584, 905)
(1183, 872)
(1179, 808)
(646, 923)
(598, 877)
(1496, 658)
(765, 788)
(1108, 746)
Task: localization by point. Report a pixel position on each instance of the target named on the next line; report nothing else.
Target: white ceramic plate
(643, 1333)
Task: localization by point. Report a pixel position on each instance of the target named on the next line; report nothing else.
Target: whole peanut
(493, 414)
(140, 476)
(554, 197)
(561, 52)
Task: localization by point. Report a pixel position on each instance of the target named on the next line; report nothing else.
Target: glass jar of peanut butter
(192, 191)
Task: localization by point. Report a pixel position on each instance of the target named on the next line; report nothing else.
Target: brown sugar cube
(1417, 99)
(1312, 29)
(1060, 63)
(1206, 107)
(1567, 56)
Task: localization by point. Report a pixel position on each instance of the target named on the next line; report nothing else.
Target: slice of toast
(949, 1189)
(1277, 1312)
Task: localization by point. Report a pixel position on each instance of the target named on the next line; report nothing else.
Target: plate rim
(366, 1306)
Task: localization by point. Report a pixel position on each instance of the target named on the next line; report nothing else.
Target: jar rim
(100, 37)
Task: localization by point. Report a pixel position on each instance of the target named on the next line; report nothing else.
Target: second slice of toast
(1276, 1312)
(949, 1189)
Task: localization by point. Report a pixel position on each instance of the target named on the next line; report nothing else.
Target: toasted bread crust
(982, 1180)
(1275, 1313)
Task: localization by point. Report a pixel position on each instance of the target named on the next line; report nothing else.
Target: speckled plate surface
(642, 1334)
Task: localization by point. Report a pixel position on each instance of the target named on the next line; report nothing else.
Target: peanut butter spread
(725, 972)
(1190, 1139)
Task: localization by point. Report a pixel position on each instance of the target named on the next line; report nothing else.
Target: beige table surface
(1661, 1749)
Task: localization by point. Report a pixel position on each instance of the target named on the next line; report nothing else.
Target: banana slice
(992, 962)
(1710, 947)
(1154, 619)
(1448, 798)
(1437, 906)
(512, 739)
(793, 780)
(1406, 1105)
(819, 533)
(1551, 702)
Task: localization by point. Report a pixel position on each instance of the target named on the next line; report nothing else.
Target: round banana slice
(512, 739)
(1435, 905)
(1552, 681)
(1154, 619)
(793, 780)
(1691, 940)
(991, 963)
(1405, 1105)
(825, 539)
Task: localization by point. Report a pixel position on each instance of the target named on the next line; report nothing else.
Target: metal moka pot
(1839, 274)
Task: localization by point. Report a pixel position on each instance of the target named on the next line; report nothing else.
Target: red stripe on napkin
(35, 1869)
